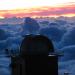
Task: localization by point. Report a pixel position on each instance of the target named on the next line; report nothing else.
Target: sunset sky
(33, 8)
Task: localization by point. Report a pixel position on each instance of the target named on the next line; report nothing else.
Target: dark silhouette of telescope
(36, 57)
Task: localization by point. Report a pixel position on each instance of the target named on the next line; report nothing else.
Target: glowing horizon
(32, 8)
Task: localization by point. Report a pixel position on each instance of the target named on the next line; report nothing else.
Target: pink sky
(58, 10)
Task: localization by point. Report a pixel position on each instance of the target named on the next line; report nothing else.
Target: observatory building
(36, 57)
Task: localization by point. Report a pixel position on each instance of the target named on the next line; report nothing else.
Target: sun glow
(69, 15)
(1, 17)
(21, 4)
(34, 8)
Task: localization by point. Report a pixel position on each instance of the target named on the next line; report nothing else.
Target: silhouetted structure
(36, 57)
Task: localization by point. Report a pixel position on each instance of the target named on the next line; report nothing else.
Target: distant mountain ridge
(12, 20)
(15, 20)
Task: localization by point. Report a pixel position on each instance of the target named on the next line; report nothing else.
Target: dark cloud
(68, 39)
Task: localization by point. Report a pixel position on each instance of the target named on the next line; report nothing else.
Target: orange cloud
(65, 10)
